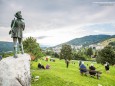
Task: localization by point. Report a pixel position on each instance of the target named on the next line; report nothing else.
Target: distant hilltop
(6, 46)
(84, 41)
(89, 40)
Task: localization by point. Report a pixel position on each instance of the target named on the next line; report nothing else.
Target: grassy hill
(91, 39)
(106, 42)
(59, 75)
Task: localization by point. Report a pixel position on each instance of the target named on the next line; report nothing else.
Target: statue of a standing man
(17, 28)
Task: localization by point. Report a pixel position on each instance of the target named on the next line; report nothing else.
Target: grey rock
(15, 71)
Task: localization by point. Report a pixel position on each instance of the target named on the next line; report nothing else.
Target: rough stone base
(15, 71)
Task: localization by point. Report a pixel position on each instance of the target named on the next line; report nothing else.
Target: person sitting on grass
(40, 66)
(47, 66)
(83, 69)
(0, 57)
(92, 70)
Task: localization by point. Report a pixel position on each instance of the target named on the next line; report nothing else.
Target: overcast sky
(53, 22)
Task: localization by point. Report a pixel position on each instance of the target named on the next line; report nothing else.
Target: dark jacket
(39, 66)
(83, 68)
(92, 70)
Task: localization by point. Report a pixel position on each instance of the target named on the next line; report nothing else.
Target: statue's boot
(21, 48)
(15, 52)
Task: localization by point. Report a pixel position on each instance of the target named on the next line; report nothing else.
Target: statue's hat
(18, 15)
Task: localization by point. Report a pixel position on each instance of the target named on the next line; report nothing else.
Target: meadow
(59, 75)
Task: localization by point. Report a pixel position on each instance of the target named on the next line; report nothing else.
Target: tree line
(105, 55)
(101, 56)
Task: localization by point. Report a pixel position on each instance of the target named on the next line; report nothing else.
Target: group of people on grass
(92, 70)
(83, 69)
(40, 66)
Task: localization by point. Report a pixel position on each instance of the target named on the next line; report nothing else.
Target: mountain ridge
(88, 40)
(85, 41)
(6, 46)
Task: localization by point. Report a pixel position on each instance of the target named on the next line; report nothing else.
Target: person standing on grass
(67, 63)
(107, 67)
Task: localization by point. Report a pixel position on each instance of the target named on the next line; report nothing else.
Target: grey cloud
(57, 14)
(42, 37)
(53, 14)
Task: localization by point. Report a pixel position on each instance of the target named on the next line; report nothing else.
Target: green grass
(59, 75)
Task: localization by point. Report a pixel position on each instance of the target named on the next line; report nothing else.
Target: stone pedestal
(15, 71)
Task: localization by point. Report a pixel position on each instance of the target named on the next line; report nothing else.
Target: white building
(97, 46)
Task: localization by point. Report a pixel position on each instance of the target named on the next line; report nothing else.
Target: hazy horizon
(54, 22)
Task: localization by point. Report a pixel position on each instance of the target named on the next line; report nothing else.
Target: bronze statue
(17, 28)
